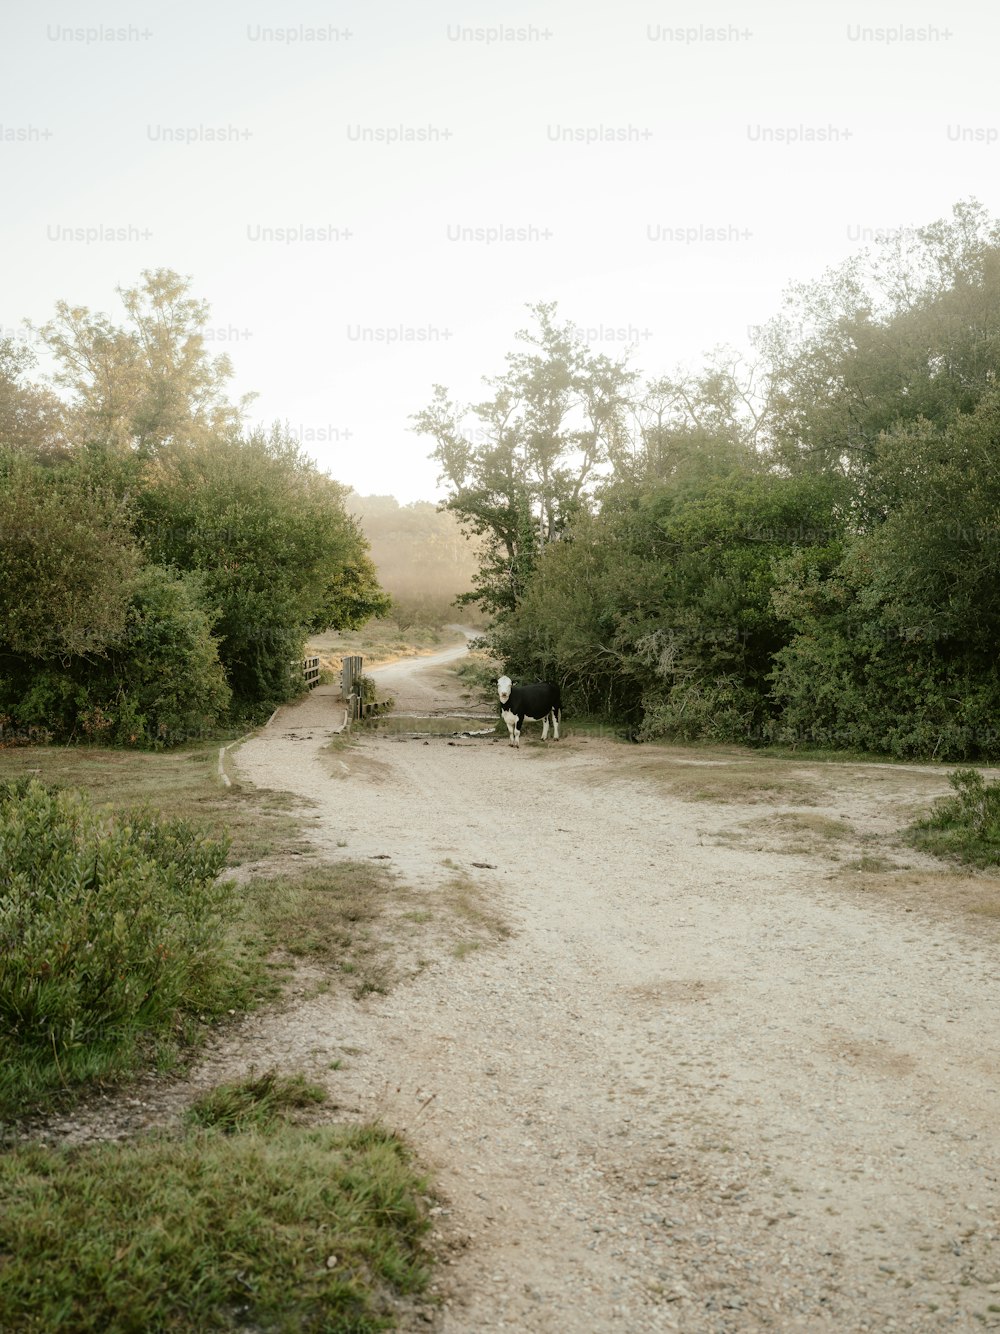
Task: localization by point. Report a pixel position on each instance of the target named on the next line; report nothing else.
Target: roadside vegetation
(794, 547)
(248, 1217)
(162, 564)
(125, 940)
(966, 826)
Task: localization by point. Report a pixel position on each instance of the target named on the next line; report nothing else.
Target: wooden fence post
(350, 672)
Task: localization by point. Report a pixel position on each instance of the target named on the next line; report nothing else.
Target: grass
(250, 1216)
(810, 824)
(379, 641)
(180, 784)
(360, 922)
(718, 776)
(252, 1224)
(254, 1104)
(338, 918)
(869, 864)
(476, 923)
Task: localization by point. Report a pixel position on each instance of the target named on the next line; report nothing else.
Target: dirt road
(725, 1074)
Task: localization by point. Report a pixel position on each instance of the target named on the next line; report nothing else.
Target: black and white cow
(536, 703)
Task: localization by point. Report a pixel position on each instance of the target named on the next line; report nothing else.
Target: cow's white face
(504, 687)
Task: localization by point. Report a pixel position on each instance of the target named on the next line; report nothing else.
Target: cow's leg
(518, 725)
(545, 728)
(555, 724)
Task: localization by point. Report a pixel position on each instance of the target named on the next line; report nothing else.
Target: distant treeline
(422, 557)
(802, 546)
(160, 567)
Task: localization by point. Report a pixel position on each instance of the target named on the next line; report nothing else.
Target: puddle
(453, 725)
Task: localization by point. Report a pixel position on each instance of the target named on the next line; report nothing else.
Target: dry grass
(378, 642)
(361, 922)
(183, 784)
(942, 894)
(473, 921)
(715, 776)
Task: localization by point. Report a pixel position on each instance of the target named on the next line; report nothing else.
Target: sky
(370, 195)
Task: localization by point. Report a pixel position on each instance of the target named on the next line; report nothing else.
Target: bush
(719, 710)
(109, 932)
(966, 826)
(160, 682)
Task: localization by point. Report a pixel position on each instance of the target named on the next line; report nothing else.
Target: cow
(536, 703)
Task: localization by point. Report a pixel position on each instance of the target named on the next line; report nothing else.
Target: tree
(658, 611)
(277, 552)
(30, 417)
(149, 382)
(689, 425)
(910, 331)
(68, 559)
(535, 455)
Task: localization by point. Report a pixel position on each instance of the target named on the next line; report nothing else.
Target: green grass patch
(287, 1229)
(965, 827)
(255, 1103)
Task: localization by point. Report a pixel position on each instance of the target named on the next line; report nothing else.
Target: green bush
(159, 683)
(110, 930)
(965, 826)
(719, 710)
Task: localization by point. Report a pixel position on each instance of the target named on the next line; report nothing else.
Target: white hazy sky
(675, 228)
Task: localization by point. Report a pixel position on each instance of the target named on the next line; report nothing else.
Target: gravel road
(713, 1080)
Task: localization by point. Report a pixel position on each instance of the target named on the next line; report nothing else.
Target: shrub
(110, 930)
(965, 826)
(720, 710)
(160, 682)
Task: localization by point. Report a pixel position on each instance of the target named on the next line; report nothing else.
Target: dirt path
(712, 1081)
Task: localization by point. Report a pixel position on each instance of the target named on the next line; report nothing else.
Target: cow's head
(504, 687)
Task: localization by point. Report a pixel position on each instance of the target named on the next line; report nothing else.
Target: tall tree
(148, 382)
(518, 477)
(910, 330)
(276, 550)
(30, 416)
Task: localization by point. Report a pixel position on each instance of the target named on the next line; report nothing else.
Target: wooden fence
(310, 670)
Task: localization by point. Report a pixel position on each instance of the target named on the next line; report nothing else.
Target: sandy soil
(715, 1080)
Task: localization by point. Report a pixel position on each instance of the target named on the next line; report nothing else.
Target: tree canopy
(799, 544)
(161, 564)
